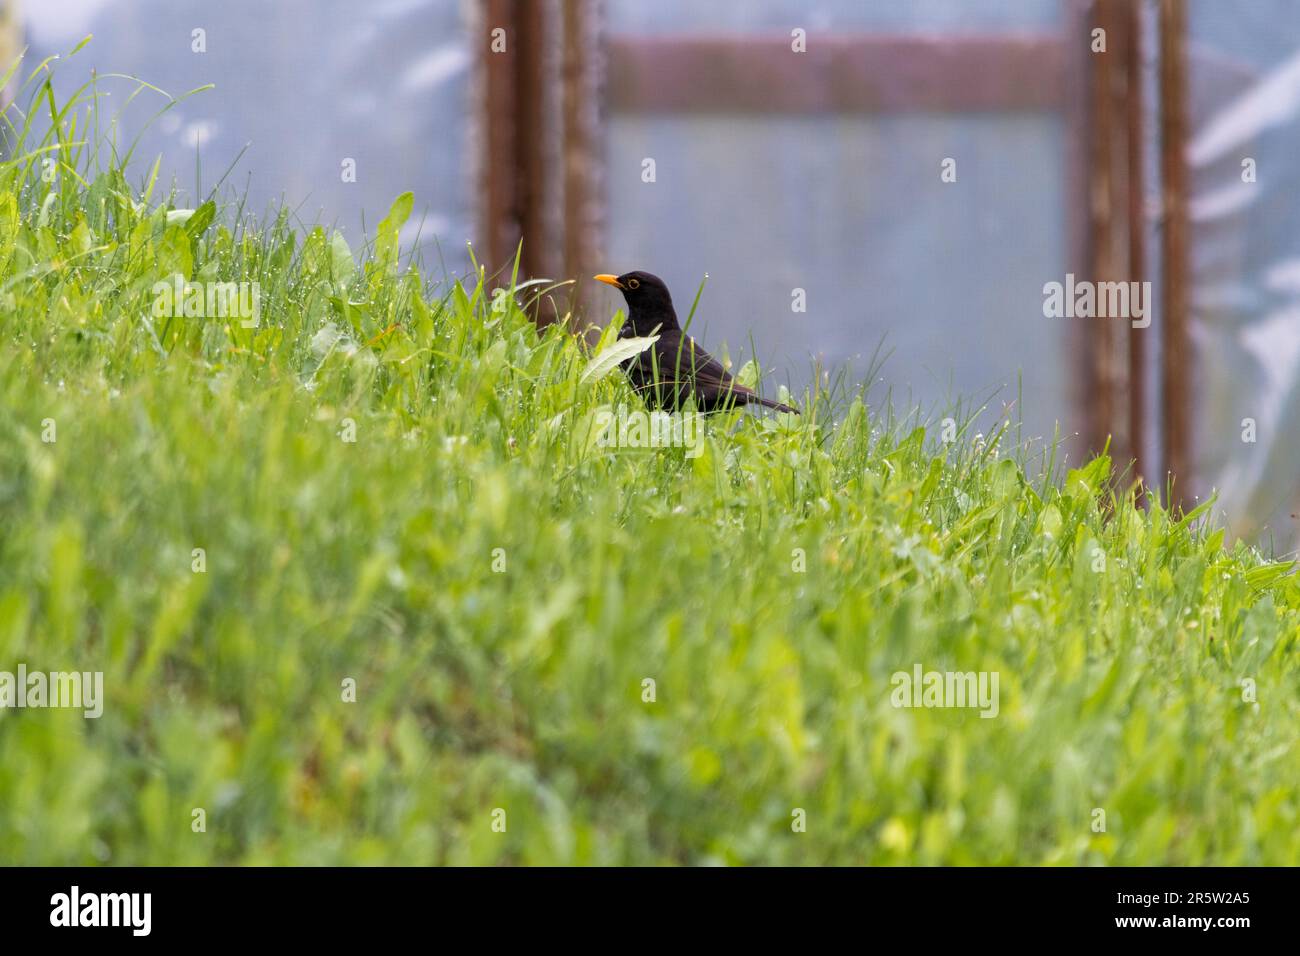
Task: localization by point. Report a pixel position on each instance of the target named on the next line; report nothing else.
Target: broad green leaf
(200, 220)
(610, 359)
(342, 265)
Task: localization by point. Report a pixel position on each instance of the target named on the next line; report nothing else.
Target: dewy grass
(364, 587)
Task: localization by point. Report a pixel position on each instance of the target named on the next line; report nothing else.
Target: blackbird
(674, 367)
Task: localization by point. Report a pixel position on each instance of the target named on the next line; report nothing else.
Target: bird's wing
(677, 362)
(681, 358)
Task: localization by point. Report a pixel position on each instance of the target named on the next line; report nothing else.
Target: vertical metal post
(1176, 358)
(581, 144)
(1137, 352)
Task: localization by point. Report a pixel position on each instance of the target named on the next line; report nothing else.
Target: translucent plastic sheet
(1245, 212)
(306, 85)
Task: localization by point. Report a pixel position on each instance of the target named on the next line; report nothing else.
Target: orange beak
(608, 279)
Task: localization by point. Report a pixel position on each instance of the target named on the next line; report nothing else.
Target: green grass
(1120, 634)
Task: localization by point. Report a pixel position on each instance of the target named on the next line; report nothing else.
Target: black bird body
(675, 367)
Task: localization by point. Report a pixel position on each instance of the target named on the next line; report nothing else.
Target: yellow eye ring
(633, 284)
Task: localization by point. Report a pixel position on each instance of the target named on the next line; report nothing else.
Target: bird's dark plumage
(675, 367)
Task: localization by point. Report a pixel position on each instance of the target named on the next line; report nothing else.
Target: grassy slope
(522, 690)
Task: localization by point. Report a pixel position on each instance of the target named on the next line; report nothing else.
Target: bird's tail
(768, 403)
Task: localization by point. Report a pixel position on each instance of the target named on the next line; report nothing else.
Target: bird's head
(648, 301)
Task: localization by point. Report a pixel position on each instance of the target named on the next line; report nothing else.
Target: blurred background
(912, 174)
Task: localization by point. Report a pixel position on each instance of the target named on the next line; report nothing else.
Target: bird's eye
(633, 284)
